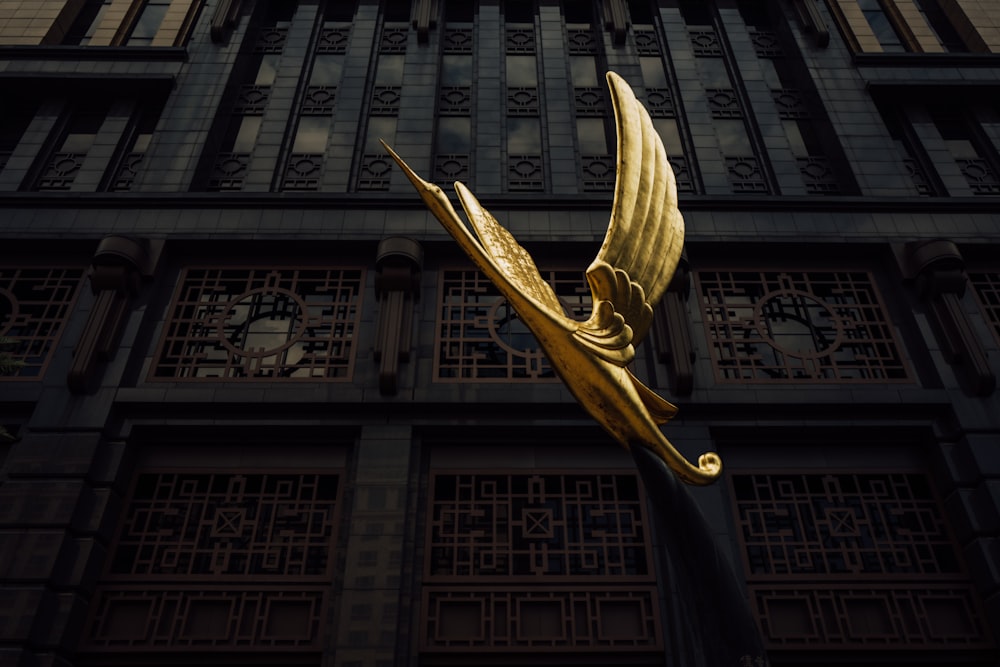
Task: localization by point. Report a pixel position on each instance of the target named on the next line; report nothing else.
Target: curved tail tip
(710, 464)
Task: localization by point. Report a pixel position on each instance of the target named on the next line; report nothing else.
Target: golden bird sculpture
(632, 270)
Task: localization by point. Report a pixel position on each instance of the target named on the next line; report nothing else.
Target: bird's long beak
(420, 184)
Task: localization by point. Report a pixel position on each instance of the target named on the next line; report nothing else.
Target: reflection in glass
(390, 70)
(311, 135)
(327, 69)
(521, 71)
(267, 70)
(653, 75)
(454, 134)
(592, 137)
(733, 139)
(456, 70)
(584, 72)
(524, 136)
(246, 136)
(379, 127)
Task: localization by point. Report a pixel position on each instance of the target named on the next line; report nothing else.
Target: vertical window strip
(232, 162)
(454, 118)
(746, 167)
(375, 170)
(662, 97)
(524, 163)
(304, 168)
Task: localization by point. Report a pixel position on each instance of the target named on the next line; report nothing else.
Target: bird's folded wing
(644, 238)
(508, 257)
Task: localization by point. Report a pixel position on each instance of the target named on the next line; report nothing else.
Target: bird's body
(630, 273)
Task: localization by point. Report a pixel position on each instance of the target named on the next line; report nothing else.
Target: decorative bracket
(672, 332)
(615, 20)
(811, 22)
(118, 269)
(938, 273)
(397, 287)
(424, 18)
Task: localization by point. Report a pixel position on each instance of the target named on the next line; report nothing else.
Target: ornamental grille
(987, 288)
(552, 562)
(261, 324)
(519, 527)
(481, 338)
(34, 306)
(219, 561)
(60, 171)
(127, 172)
(812, 326)
(853, 561)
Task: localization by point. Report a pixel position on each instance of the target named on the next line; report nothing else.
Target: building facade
(257, 408)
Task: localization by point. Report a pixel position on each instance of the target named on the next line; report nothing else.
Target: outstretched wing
(644, 239)
(512, 260)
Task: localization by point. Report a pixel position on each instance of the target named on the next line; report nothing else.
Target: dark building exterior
(258, 409)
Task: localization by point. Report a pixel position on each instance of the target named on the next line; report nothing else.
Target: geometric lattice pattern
(853, 561)
(820, 525)
(519, 527)
(815, 326)
(481, 338)
(550, 561)
(986, 286)
(210, 525)
(219, 561)
(261, 324)
(34, 306)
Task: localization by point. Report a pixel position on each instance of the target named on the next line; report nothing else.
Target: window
(745, 168)
(304, 170)
(551, 561)
(662, 96)
(35, 303)
(16, 114)
(383, 107)
(229, 165)
(63, 164)
(853, 561)
(223, 559)
(481, 338)
(524, 141)
(148, 22)
(453, 144)
(297, 323)
(798, 326)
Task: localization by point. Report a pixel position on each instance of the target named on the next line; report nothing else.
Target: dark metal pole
(722, 631)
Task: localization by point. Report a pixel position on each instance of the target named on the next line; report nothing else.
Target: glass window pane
(311, 135)
(246, 136)
(521, 71)
(524, 136)
(798, 144)
(327, 69)
(147, 24)
(266, 71)
(390, 70)
(379, 127)
(653, 75)
(584, 72)
(456, 70)
(713, 73)
(453, 135)
(593, 140)
(733, 138)
(667, 129)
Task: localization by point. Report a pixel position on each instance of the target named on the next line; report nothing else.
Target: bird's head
(433, 196)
